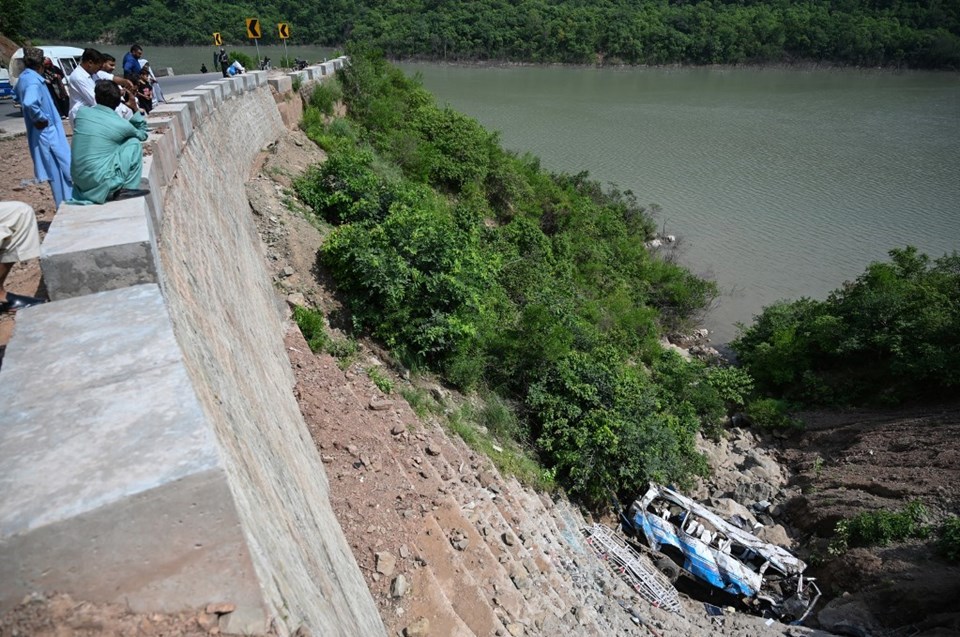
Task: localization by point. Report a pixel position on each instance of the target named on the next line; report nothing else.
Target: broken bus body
(765, 576)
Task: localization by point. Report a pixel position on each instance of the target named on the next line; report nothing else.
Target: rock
(847, 616)
(207, 621)
(386, 563)
(439, 393)
(399, 586)
(404, 551)
(515, 629)
(287, 271)
(459, 540)
(432, 450)
(508, 538)
(750, 492)
(221, 608)
(775, 534)
(297, 299)
(519, 577)
(377, 404)
(419, 628)
(398, 429)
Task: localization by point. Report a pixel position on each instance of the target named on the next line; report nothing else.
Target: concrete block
(95, 248)
(152, 180)
(239, 84)
(171, 128)
(198, 107)
(338, 63)
(328, 68)
(161, 145)
(297, 76)
(259, 77)
(282, 84)
(226, 86)
(180, 112)
(111, 486)
(215, 88)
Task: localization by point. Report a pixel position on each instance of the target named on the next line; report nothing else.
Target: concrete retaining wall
(151, 449)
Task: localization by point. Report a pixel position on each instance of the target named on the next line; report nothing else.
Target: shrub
(380, 379)
(311, 326)
(770, 414)
(949, 543)
(891, 335)
(325, 96)
(245, 60)
(880, 528)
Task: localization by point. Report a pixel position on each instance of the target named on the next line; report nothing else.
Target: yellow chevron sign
(217, 40)
(253, 28)
(284, 30)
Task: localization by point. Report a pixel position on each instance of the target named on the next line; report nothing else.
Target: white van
(66, 57)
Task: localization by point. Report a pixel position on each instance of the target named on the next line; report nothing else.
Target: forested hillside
(860, 32)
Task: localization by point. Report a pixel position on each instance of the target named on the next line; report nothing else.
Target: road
(11, 120)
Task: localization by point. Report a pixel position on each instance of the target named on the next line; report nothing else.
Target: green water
(780, 183)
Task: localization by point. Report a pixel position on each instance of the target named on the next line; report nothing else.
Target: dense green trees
(890, 336)
(474, 262)
(860, 32)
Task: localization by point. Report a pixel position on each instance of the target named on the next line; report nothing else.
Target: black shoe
(16, 302)
(127, 193)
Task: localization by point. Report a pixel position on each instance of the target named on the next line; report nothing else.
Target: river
(780, 183)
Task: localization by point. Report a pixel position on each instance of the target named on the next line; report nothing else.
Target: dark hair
(107, 93)
(106, 57)
(135, 48)
(92, 55)
(33, 58)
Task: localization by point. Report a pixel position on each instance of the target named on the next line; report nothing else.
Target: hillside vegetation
(857, 32)
(477, 264)
(889, 337)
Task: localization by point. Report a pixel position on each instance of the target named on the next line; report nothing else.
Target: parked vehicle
(66, 57)
(6, 89)
(688, 538)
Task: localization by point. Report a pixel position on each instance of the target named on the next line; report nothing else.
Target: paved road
(11, 121)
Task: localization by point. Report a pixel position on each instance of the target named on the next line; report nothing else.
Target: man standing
(224, 61)
(107, 154)
(54, 78)
(19, 241)
(83, 78)
(131, 62)
(45, 137)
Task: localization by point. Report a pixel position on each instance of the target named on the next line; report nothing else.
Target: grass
(380, 379)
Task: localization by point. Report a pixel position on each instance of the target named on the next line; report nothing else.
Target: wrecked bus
(683, 533)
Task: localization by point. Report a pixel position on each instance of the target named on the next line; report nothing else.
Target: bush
(380, 379)
(245, 60)
(949, 543)
(892, 335)
(770, 414)
(311, 326)
(558, 306)
(880, 528)
(325, 96)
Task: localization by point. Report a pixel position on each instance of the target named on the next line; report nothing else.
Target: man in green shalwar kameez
(107, 155)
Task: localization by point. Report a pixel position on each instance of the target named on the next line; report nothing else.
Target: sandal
(16, 302)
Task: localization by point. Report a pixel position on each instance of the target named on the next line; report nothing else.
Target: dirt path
(16, 168)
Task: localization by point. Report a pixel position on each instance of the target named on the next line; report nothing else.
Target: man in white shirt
(81, 82)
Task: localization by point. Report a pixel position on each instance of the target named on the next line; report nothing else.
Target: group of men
(105, 161)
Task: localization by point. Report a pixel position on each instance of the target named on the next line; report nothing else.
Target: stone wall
(152, 449)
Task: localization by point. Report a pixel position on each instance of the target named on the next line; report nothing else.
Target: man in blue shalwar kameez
(45, 136)
(107, 154)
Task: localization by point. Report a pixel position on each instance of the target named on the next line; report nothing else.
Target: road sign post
(284, 30)
(253, 32)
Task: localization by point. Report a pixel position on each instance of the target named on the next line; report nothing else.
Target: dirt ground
(16, 168)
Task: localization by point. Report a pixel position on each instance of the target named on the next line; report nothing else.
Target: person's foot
(127, 193)
(16, 302)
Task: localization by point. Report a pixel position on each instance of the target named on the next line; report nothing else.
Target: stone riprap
(151, 449)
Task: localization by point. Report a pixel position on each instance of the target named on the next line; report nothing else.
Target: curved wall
(166, 463)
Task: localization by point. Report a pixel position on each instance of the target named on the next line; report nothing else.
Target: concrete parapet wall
(168, 465)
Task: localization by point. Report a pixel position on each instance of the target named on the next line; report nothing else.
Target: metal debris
(635, 569)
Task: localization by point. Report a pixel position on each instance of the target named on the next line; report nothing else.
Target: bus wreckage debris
(766, 577)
